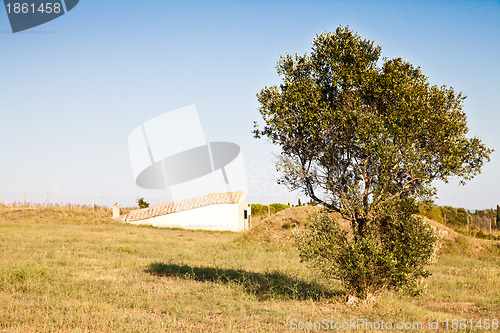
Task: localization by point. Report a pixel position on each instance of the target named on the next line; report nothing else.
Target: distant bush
(277, 207)
(434, 213)
(142, 203)
(258, 209)
(266, 209)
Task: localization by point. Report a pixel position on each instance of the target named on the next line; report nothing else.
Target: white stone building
(227, 211)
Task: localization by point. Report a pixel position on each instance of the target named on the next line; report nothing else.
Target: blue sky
(72, 90)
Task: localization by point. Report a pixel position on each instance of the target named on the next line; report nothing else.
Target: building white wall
(221, 217)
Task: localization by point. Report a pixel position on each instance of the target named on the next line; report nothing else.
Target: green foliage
(434, 213)
(498, 216)
(277, 207)
(142, 203)
(355, 136)
(483, 218)
(458, 216)
(393, 252)
(454, 216)
(273, 208)
(360, 134)
(258, 209)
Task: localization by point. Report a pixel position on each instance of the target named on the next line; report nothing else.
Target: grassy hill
(77, 270)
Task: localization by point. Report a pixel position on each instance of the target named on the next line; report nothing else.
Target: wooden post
(445, 220)
(116, 210)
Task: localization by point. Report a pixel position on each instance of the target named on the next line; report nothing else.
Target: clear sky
(73, 89)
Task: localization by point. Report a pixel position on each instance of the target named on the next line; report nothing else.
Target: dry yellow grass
(65, 270)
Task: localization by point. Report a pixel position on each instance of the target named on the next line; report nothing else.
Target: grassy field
(79, 271)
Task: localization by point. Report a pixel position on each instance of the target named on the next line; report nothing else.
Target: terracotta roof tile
(182, 205)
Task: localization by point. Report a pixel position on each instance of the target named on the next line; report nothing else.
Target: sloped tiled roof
(182, 205)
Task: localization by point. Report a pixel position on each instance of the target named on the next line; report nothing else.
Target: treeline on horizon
(276, 207)
(478, 221)
(456, 218)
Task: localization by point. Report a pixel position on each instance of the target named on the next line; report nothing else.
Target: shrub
(142, 203)
(258, 209)
(265, 209)
(392, 253)
(277, 207)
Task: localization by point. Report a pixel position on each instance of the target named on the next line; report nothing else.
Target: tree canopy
(366, 136)
(358, 131)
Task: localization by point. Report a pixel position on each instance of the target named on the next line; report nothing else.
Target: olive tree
(365, 136)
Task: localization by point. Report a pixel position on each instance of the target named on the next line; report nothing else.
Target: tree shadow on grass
(268, 285)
